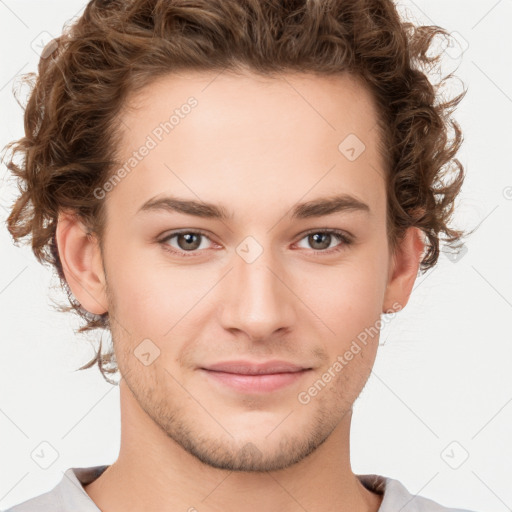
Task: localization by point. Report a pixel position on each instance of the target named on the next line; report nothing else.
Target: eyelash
(342, 237)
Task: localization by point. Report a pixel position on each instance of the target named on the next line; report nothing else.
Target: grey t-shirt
(69, 495)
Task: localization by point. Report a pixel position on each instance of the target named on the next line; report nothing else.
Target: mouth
(248, 377)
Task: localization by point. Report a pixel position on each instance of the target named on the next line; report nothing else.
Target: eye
(321, 240)
(187, 241)
(191, 241)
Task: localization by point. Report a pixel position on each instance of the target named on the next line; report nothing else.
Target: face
(267, 281)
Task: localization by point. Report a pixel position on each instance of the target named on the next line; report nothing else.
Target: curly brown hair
(119, 46)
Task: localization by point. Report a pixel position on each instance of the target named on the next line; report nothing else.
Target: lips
(253, 377)
(252, 368)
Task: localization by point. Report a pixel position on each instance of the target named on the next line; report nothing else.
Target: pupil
(321, 235)
(189, 240)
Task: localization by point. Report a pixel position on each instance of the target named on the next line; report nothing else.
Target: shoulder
(67, 496)
(44, 502)
(397, 497)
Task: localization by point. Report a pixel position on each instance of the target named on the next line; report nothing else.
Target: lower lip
(256, 383)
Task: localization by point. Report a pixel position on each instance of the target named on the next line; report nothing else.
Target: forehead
(335, 103)
(223, 135)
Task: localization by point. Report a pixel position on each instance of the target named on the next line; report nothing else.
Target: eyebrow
(315, 208)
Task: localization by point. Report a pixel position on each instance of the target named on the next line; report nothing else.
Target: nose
(258, 298)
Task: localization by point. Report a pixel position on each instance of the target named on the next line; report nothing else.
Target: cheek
(153, 296)
(347, 298)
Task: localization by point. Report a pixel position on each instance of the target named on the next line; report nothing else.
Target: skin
(257, 146)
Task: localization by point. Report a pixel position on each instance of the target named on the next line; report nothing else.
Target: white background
(442, 386)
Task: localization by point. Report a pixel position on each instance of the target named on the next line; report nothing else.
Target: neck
(153, 472)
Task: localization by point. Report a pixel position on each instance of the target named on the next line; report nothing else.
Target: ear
(80, 256)
(403, 270)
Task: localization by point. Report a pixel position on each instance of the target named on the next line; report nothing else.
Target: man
(236, 190)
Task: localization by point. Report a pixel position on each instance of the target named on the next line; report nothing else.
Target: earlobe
(403, 271)
(80, 256)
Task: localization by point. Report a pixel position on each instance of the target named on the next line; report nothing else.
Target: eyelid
(182, 231)
(345, 240)
(336, 231)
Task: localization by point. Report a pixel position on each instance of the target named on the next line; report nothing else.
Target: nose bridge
(259, 301)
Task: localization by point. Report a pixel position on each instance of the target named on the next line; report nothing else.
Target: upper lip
(253, 368)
